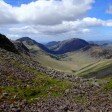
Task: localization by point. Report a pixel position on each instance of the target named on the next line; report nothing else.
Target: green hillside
(100, 69)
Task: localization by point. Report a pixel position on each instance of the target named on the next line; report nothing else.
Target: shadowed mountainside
(69, 45)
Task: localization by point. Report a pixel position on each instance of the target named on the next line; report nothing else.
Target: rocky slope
(25, 86)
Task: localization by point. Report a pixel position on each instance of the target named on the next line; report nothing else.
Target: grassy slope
(98, 70)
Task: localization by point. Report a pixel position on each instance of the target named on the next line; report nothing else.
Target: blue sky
(18, 2)
(41, 21)
(99, 9)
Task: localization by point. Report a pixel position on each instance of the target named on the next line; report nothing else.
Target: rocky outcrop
(6, 44)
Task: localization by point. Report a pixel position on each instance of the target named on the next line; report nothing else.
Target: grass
(108, 86)
(44, 87)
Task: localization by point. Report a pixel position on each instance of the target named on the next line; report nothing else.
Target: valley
(35, 78)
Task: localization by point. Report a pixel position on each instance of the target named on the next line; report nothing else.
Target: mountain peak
(69, 45)
(24, 39)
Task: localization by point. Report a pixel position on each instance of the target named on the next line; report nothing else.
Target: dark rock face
(6, 44)
(70, 45)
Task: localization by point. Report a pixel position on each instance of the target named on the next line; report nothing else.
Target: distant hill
(70, 45)
(103, 42)
(30, 43)
(6, 44)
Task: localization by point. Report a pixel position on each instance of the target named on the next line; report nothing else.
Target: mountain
(70, 45)
(30, 43)
(59, 47)
(6, 44)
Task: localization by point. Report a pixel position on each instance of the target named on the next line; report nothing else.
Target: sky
(54, 20)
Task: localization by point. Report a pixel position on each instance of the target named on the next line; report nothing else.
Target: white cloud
(6, 13)
(24, 29)
(82, 25)
(45, 12)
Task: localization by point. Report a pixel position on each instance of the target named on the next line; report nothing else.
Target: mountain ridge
(60, 47)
